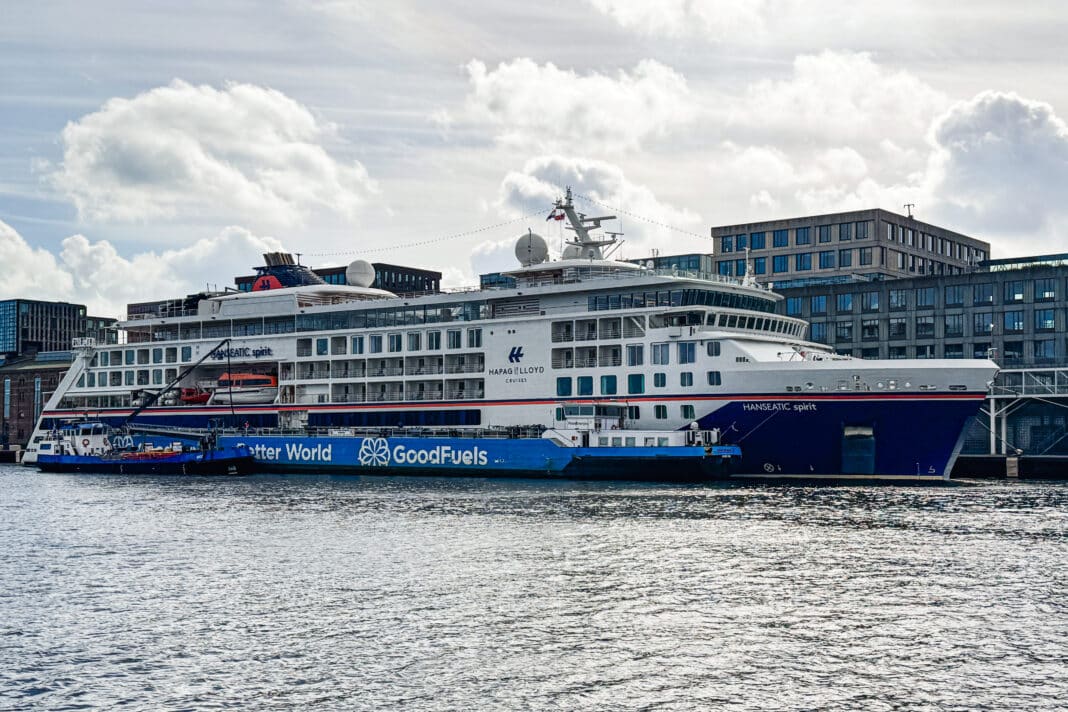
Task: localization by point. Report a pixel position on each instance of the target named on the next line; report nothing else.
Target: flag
(558, 216)
(552, 216)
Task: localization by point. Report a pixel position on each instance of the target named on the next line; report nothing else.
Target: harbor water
(283, 593)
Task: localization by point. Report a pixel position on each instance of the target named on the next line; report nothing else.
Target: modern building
(393, 278)
(1013, 309)
(27, 382)
(870, 244)
(29, 325)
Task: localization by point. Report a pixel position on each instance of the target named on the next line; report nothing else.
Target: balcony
(465, 368)
(453, 394)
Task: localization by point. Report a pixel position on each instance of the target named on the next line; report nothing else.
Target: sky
(148, 150)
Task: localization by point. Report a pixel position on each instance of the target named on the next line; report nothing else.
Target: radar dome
(530, 249)
(360, 274)
(572, 252)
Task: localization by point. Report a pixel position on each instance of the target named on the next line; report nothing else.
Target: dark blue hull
(224, 461)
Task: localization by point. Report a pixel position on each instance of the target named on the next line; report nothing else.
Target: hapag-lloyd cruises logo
(375, 452)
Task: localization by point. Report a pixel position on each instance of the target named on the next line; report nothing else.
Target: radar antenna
(587, 245)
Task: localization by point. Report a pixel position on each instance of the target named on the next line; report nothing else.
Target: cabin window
(130, 356)
(661, 354)
(92, 379)
(415, 341)
(713, 348)
(157, 355)
(322, 347)
(659, 380)
(433, 341)
(585, 385)
(635, 354)
(142, 356)
(129, 378)
(686, 378)
(608, 385)
(686, 352)
(453, 339)
(376, 343)
(688, 412)
(636, 383)
(714, 378)
(563, 386)
(357, 344)
(633, 412)
(170, 355)
(157, 376)
(474, 338)
(660, 412)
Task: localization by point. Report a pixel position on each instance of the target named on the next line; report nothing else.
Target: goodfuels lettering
(399, 455)
(779, 407)
(440, 455)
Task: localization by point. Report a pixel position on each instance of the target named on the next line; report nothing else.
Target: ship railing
(424, 396)
(610, 361)
(378, 372)
(425, 370)
(558, 338)
(383, 397)
(586, 337)
(562, 363)
(585, 362)
(464, 395)
(465, 368)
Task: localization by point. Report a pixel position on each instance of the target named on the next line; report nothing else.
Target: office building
(863, 244)
(29, 325)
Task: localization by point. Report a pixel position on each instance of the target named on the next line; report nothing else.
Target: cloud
(713, 19)
(96, 274)
(1001, 163)
(600, 188)
(544, 108)
(182, 151)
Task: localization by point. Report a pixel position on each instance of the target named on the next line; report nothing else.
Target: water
(282, 593)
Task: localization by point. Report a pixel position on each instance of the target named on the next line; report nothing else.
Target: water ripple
(283, 593)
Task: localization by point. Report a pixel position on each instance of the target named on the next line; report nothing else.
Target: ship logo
(516, 354)
(374, 452)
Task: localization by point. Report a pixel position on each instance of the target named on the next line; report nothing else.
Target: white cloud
(1001, 164)
(544, 108)
(182, 151)
(95, 274)
(713, 19)
(600, 188)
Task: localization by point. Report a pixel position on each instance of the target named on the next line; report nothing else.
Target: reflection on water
(281, 592)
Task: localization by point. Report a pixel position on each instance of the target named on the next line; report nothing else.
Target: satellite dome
(572, 252)
(360, 274)
(530, 249)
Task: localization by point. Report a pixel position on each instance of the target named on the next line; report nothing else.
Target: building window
(818, 332)
(954, 326)
(925, 351)
(780, 264)
(843, 331)
(760, 265)
(608, 385)
(827, 259)
(661, 354)
(724, 267)
(756, 241)
(954, 295)
(898, 330)
(865, 256)
(1045, 290)
(563, 386)
(925, 298)
(898, 352)
(585, 385)
(394, 343)
(819, 304)
(983, 323)
(659, 380)
(802, 236)
(981, 349)
(1044, 320)
(862, 230)
(793, 306)
(687, 352)
(1014, 291)
(869, 301)
(726, 244)
(925, 327)
(869, 330)
(779, 239)
(660, 412)
(1014, 322)
(824, 233)
(983, 294)
(739, 268)
(803, 261)
(635, 354)
(1045, 352)
(898, 299)
(687, 412)
(845, 258)
(1013, 352)
(686, 378)
(739, 243)
(844, 303)
(636, 383)
(845, 232)
(954, 351)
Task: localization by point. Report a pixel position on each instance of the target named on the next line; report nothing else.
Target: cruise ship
(678, 350)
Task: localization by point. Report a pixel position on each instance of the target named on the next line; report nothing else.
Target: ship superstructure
(675, 348)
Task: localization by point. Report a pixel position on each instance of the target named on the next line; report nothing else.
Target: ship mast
(588, 246)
